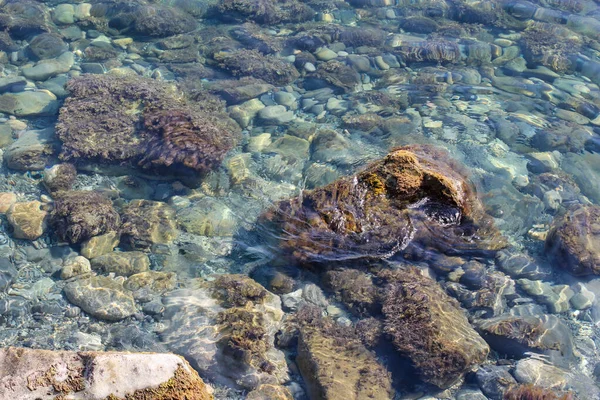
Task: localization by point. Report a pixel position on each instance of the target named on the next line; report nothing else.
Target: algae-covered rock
(270, 392)
(573, 241)
(46, 375)
(265, 11)
(80, 215)
(146, 223)
(415, 196)
(226, 329)
(75, 266)
(142, 122)
(269, 68)
(28, 219)
(429, 327)
(336, 366)
(60, 177)
(102, 297)
(122, 263)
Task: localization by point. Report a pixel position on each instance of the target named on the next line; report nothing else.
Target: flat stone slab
(44, 374)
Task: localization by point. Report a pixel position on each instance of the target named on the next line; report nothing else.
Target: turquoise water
(406, 192)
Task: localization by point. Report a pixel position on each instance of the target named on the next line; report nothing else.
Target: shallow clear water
(260, 138)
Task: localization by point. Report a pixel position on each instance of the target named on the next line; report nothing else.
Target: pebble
(572, 116)
(75, 266)
(381, 64)
(277, 115)
(48, 68)
(310, 67)
(244, 113)
(285, 99)
(325, 54)
(538, 373)
(64, 14)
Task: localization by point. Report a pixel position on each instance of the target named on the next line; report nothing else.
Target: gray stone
(325, 54)
(539, 373)
(48, 68)
(47, 45)
(101, 297)
(27, 104)
(359, 63)
(555, 297)
(32, 151)
(12, 84)
(64, 14)
(285, 99)
(583, 297)
(277, 115)
(494, 380)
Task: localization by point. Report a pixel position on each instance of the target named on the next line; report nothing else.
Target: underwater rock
(49, 68)
(29, 104)
(573, 242)
(269, 68)
(355, 289)
(149, 284)
(337, 74)
(45, 375)
(60, 177)
(270, 392)
(336, 366)
(517, 335)
(208, 217)
(142, 121)
(100, 244)
(226, 329)
(494, 380)
(102, 297)
(28, 219)
(47, 45)
(122, 263)
(529, 391)
(550, 45)
(264, 11)
(79, 215)
(23, 18)
(159, 20)
(414, 196)
(539, 373)
(7, 199)
(429, 51)
(32, 151)
(146, 223)
(75, 266)
(429, 327)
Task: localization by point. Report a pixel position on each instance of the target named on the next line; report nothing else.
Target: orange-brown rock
(416, 195)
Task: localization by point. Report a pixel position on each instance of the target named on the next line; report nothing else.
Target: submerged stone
(146, 223)
(122, 263)
(430, 328)
(573, 241)
(80, 215)
(414, 196)
(336, 366)
(101, 297)
(32, 151)
(226, 329)
(28, 219)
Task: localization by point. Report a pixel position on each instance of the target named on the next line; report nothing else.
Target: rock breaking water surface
(306, 199)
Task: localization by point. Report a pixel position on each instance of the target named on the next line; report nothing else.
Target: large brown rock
(429, 327)
(45, 375)
(574, 240)
(414, 196)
